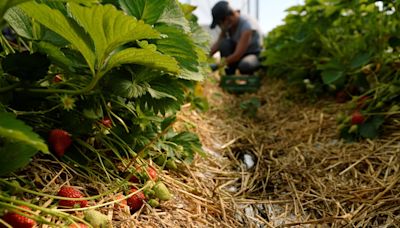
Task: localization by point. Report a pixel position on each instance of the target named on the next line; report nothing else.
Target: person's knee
(249, 64)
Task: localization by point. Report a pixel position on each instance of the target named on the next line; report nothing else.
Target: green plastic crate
(240, 83)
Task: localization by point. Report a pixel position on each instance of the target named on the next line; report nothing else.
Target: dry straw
(303, 175)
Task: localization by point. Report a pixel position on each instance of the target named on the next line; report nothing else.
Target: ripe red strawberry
(106, 122)
(134, 179)
(342, 96)
(71, 192)
(19, 221)
(78, 225)
(357, 118)
(57, 78)
(60, 140)
(122, 203)
(152, 173)
(135, 202)
(140, 173)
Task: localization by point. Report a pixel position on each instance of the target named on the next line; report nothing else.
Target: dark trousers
(248, 64)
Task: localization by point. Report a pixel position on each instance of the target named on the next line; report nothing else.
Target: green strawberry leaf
(370, 129)
(129, 88)
(7, 4)
(147, 10)
(15, 155)
(110, 28)
(187, 10)
(20, 22)
(360, 60)
(55, 54)
(191, 145)
(65, 27)
(16, 130)
(173, 15)
(167, 122)
(143, 57)
(190, 75)
(25, 27)
(201, 37)
(169, 92)
(178, 45)
(331, 76)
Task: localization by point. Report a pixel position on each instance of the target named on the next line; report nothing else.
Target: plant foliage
(109, 74)
(349, 49)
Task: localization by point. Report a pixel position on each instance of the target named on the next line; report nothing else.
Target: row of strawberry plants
(349, 49)
(97, 84)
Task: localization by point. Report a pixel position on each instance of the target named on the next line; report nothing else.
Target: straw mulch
(303, 175)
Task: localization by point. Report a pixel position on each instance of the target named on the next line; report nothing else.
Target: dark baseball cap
(219, 12)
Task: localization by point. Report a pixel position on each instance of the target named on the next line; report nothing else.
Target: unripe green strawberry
(148, 193)
(19, 221)
(71, 192)
(341, 126)
(153, 203)
(171, 164)
(347, 119)
(96, 219)
(161, 191)
(379, 104)
(135, 202)
(340, 117)
(59, 140)
(353, 129)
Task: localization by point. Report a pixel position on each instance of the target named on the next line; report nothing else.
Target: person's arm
(215, 46)
(241, 47)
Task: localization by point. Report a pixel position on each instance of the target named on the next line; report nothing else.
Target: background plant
(112, 74)
(348, 48)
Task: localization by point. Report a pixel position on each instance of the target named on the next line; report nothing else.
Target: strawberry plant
(127, 77)
(98, 83)
(346, 48)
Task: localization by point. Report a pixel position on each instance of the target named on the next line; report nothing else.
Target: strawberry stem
(53, 212)
(114, 189)
(10, 87)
